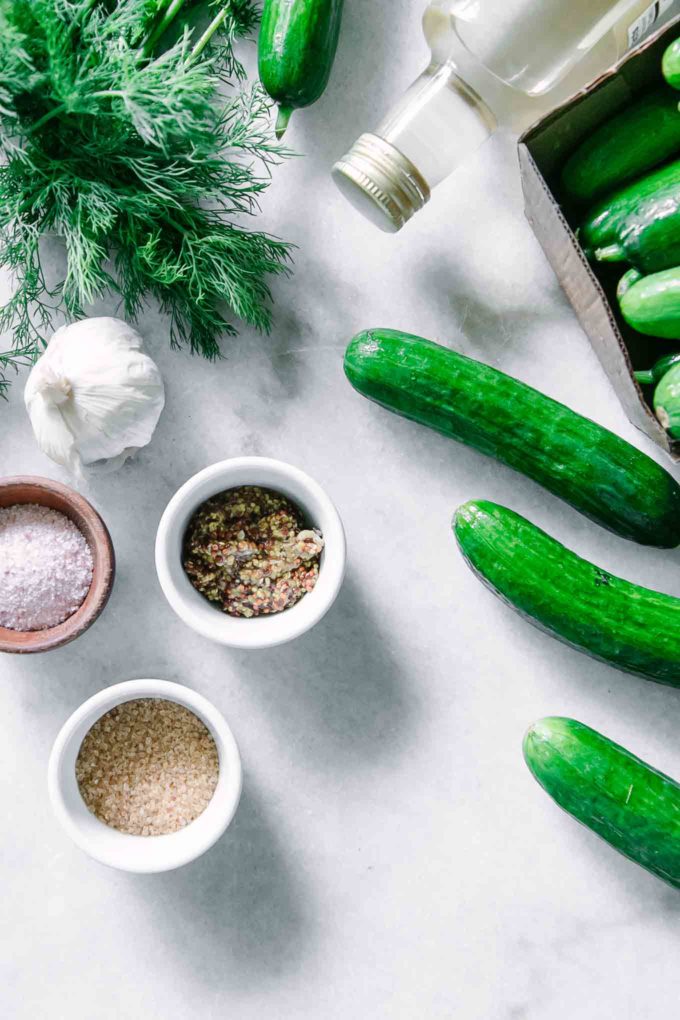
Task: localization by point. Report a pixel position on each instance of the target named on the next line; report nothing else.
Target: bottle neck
(435, 126)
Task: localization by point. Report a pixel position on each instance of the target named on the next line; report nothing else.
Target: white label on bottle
(639, 29)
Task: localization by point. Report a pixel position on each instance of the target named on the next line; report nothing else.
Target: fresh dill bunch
(128, 131)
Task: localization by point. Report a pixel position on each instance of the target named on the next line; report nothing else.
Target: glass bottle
(495, 63)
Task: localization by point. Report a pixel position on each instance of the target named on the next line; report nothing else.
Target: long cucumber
(653, 375)
(644, 134)
(667, 401)
(296, 49)
(639, 223)
(631, 805)
(632, 628)
(582, 463)
(651, 304)
(665, 375)
(670, 64)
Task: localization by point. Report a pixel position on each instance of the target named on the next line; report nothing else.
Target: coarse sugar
(148, 767)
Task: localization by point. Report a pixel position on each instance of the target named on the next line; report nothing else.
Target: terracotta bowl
(45, 492)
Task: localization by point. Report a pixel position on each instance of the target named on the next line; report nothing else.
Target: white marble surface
(392, 857)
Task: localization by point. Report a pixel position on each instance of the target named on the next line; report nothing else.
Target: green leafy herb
(13, 359)
(128, 131)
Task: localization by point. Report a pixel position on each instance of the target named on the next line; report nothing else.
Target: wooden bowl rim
(92, 526)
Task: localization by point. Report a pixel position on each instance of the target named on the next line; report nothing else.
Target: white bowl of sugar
(145, 776)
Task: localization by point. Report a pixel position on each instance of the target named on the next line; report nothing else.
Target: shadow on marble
(666, 903)
(338, 694)
(356, 99)
(478, 328)
(647, 895)
(239, 916)
(290, 373)
(646, 702)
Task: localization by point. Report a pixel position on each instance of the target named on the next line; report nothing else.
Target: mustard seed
(250, 551)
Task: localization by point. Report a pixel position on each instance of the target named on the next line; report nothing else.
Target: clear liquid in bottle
(494, 63)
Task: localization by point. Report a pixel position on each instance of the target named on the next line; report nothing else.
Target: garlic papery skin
(94, 397)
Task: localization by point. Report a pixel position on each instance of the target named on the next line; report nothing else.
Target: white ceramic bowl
(142, 854)
(197, 611)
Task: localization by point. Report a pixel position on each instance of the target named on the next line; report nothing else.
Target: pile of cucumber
(632, 806)
(628, 173)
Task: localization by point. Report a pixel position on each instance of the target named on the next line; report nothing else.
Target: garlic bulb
(94, 396)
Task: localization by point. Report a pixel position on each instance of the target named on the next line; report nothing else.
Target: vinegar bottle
(495, 63)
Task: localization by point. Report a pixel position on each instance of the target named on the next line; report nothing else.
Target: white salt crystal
(45, 567)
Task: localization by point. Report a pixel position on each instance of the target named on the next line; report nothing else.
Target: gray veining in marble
(392, 859)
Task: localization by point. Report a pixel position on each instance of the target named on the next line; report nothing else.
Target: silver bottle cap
(381, 183)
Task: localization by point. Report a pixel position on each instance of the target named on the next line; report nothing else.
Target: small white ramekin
(209, 620)
(142, 854)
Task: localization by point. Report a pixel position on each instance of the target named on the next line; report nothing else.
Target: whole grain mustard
(249, 550)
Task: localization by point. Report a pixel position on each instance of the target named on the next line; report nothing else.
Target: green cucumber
(670, 64)
(639, 224)
(296, 49)
(582, 463)
(651, 304)
(667, 400)
(632, 806)
(632, 628)
(630, 277)
(653, 375)
(665, 375)
(644, 134)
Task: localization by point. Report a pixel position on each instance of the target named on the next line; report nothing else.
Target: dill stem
(175, 224)
(165, 22)
(213, 27)
(62, 107)
(46, 118)
(83, 14)
(88, 6)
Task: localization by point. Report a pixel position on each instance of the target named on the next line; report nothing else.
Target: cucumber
(670, 64)
(665, 374)
(639, 224)
(582, 463)
(632, 628)
(644, 134)
(627, 280)
(653, 375)
(667, 399)
(651, 304)
(296, 49)
(629, 804)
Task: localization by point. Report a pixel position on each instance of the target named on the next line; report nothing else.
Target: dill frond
(116, 135)
(14, 360)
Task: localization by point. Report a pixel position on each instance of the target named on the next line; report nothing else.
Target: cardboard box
(592, 291)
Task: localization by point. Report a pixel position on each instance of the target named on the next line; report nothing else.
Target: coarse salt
(45, 567)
